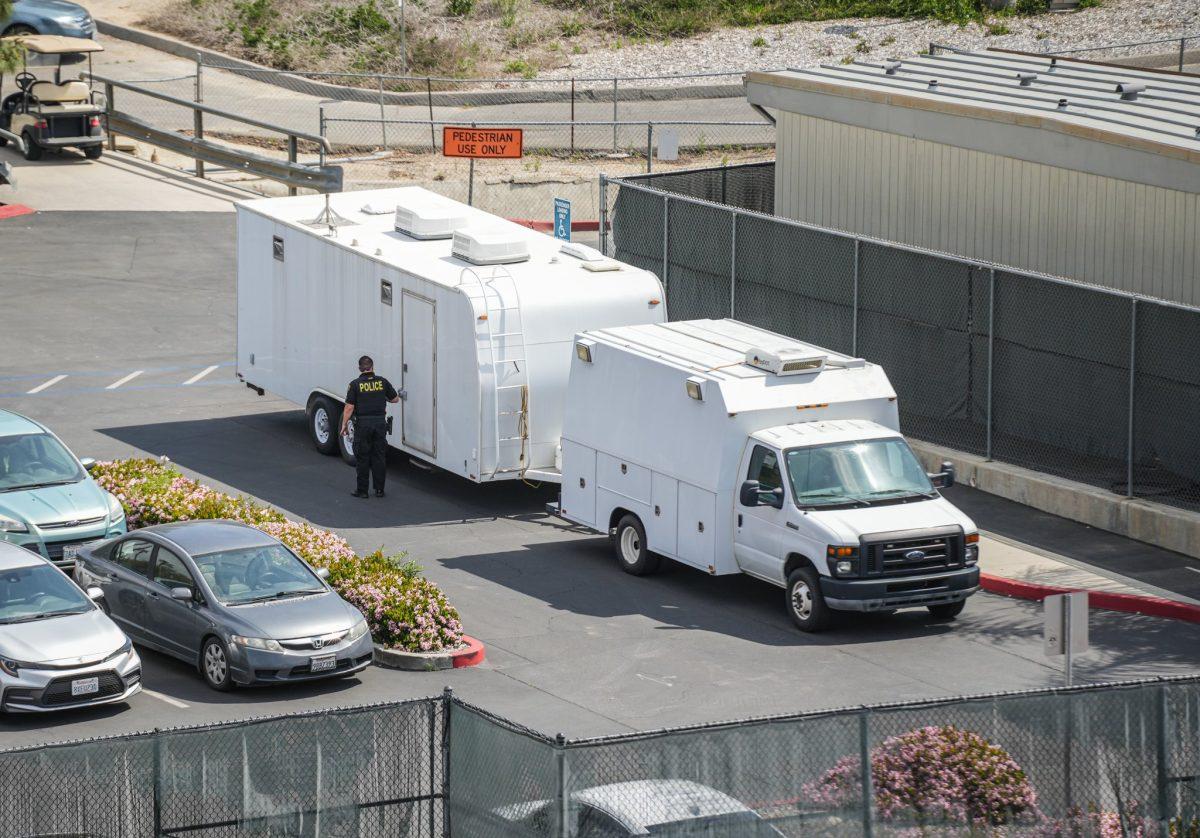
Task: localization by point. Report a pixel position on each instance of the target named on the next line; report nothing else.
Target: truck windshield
(862, 472)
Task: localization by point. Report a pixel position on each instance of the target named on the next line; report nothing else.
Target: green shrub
(520, 65)
(998, 29)
(459, 8)
(571, 28)
(759, 42)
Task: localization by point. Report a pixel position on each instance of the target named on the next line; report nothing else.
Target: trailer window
(764, 467)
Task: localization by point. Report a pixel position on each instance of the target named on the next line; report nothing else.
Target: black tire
(19, 29)
(93, 152)
(629, 543)
(948, 610)
(805, 603)
(210, 669)
(33, 151)
(324, 422)
(3, 142)
(346, 444)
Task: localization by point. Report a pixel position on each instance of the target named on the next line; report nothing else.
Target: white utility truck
(737, 450)
(472, 317)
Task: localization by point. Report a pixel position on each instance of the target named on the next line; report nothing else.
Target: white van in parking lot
(733, 449)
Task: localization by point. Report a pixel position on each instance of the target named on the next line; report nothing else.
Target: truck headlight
(12, 525)
(971, 554)
(843, 561)
(115, 511)
(264, 643)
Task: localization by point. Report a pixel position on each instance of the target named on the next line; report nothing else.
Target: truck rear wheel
(324, 422)
(629, 542)
(345, 444)
(805, 602)
(947, 610)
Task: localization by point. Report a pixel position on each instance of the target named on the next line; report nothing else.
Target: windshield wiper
(279, 595)
(838, 498)
(42, 616)
(305, 592)
(38, 485)
(900, 494)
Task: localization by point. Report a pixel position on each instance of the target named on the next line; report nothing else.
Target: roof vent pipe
(1129, 90)
(1062, 104)
(933, 83)
(1026, 79)
(890, 67)
(1053, 63)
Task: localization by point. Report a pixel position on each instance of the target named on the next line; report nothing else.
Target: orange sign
(481, 142)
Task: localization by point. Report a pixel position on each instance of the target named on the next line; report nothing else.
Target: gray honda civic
(228, 599)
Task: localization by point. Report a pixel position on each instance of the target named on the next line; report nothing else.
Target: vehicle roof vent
(786, 360)
(429, 217)
(484, 246)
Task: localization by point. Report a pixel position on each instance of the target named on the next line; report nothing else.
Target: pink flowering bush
(1098, 823)
(933, 776)
(404, 610)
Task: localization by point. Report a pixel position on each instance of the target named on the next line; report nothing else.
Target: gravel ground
(809, 43)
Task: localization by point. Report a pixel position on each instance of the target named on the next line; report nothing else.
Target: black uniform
(370, 393)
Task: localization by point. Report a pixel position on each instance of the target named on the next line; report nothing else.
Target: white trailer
(736, 450)
(471, 316)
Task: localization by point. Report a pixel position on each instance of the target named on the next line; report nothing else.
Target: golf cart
(58, 113)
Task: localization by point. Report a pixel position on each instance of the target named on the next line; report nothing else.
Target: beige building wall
(1102, 230)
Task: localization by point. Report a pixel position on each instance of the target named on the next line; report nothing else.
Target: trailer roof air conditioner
(429, 217)
(482, 246)
(788, 360)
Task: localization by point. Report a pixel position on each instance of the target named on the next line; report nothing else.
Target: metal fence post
(666, 240)
(108, 111)
(157, 782)
(429, 98)
(199, 77)
(854, 302)
(321, 131)
(725, 184)
(1069, 738)
(292, 156)
(382, 113)
(864, 759)
(562, 802)
(603, 214)
(572, 117)
(649, 147)
(990, 358)
(1162, 758)
(447, 709)
(1182, 42)
(733, 263)
(198, 134)
(1132, 379)
(614, 114)
(471, 180)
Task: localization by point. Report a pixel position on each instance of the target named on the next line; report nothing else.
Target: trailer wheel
(947, 610)
(629, 541)
(345, 444)
(324, 420)
(805, 602)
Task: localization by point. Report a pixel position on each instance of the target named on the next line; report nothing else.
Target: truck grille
(58, 691)
(911, 552)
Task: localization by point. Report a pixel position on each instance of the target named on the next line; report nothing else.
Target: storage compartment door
(579, 483)
(697, 517)
(662, 528)
(419, 378)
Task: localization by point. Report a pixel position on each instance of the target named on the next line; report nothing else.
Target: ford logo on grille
(915, 555)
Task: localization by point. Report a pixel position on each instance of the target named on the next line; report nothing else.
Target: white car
(58, 650)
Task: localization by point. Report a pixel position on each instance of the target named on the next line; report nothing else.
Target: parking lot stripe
(200, 375)
(174, 702)
(45, 384)
(124, 380)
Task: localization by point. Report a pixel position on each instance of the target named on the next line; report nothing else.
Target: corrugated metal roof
(1143, 108)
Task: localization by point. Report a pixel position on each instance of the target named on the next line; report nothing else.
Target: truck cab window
(764, 467)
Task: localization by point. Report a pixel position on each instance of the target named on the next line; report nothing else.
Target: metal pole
(561, 799)
(447, 711)
(1132, 379)
(614, 114)
(382, 114)
(990, 357)
(733, 264)
(321, 132)
(572, 116)
(724, 184)
(666, 239)
(429, 97)
(854, 310)
(864, 759)
(649, 147)
(432, 765)
(157, 782)
(108, 110)
(198, 134)
(1163, 758)
(471, 180)
(1069, 739)
(1066, 633)
(292, 158)
(603, 214)
(199, 77)
(1182, 41)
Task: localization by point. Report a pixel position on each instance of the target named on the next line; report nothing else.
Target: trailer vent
(482, 246)
(430, 217)
(788, 360)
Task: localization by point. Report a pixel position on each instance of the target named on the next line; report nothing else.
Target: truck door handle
(792, 526)
(739, 519)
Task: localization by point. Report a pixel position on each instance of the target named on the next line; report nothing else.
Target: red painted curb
(14, 210)
(473, 655)
(547, 226)
(1150, 606)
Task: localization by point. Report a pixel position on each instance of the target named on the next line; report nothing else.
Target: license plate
(323, 663)
(85, 686)
(70, 551)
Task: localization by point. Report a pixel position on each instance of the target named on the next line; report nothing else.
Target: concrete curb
(15, 210)
(1149, 606)
(298, 84)
(472, 653)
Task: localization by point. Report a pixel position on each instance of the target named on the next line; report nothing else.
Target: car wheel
(323, 421)
(93, 152)
(19, 29)
(346, 444)
(948, 610)
(629, 541)
(214, 665)
(33, 151)
(805, 603)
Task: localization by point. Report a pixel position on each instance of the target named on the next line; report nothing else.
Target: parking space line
(124, 380)
(174, 702)
(200, 375)
(45, 384)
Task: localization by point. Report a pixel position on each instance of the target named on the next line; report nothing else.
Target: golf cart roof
(57, 44)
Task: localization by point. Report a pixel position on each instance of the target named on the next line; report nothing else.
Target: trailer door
(419, 360)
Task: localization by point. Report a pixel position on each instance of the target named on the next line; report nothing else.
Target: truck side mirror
(945, 478)
(749, 494)
(772, 497)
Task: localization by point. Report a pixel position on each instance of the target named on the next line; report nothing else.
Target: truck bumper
(900, 591)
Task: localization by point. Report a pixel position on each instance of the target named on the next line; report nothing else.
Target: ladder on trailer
(509, 365)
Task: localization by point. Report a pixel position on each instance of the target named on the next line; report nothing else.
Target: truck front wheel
(629, 541)
(947, 610)
(804, 600)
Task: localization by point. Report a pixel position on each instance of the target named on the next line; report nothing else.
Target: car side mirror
(749, 495)
(88, 463)
(182, 594)
(945, 478)
(322, 573)
(94, 594)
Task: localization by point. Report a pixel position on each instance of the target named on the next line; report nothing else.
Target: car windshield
(31, 460)
(862, 472)
(256, 574)
(38, 592)
(734, 825)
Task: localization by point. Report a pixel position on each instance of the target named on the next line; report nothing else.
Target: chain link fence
(1082, 382)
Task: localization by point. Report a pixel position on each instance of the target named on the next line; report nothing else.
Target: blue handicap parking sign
(562, 219)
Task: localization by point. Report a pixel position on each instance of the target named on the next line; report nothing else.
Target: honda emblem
(319, 642)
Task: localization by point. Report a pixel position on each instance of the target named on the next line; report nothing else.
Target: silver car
(57, 649)
(229, 599)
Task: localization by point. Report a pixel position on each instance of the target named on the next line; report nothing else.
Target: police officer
(366, 400)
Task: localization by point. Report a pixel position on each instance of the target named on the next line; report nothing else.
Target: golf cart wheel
(33, 151)
(93, 152)
(629, 541)
(345, 443)
(947, 610)
(324, 419)
(214, 665)
(805, 603)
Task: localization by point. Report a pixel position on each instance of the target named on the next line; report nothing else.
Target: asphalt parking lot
(573, 644)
